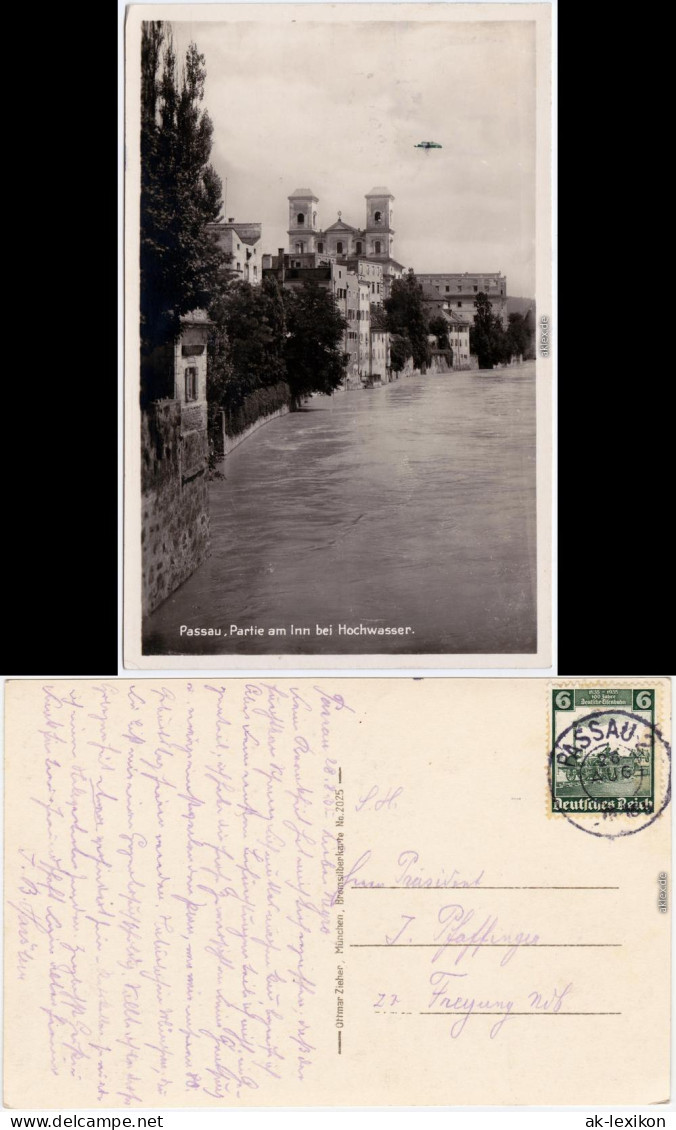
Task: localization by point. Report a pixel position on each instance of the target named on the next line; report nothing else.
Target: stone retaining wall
(175, 515)
(231, 442)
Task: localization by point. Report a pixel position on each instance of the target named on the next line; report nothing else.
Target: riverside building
(373, 243)
(460, 291)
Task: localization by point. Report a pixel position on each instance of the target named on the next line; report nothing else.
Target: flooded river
(405, 507)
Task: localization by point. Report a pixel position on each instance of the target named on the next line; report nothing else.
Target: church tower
(379, 232)
(303, 226)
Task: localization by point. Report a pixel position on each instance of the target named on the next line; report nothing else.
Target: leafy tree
(518, 336)
(439, 327)
(180, 194)
(486, 337)
(251, 320)
(220, 379)
(400, 351)
(275, 316)
(245, 356)
(530, 328)
(315, 327)
(406, 318)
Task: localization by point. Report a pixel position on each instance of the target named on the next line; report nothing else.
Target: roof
(380, 190)
(340, 225)
(304, 192)
(461, 274)
(449, 313)
(249, 231)
(248, 238)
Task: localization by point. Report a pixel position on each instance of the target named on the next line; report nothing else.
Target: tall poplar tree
(407, 319)
(180, 194)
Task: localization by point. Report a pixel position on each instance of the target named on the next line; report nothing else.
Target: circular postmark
(610, 773)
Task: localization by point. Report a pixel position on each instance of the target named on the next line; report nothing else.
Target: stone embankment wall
(175, 514)
(257, 409)
(438, 363)
(231, 442)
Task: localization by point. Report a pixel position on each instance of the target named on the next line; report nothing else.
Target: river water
(409, 506)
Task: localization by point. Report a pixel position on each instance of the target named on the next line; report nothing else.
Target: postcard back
(346, 891)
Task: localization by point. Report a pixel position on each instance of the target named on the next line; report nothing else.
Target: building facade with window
(174, 464)
(242, 244)
(374, 243)
(457, 325)
(380, 356)
(349, 308)
(460, 291)
(372, 274)
(458, 339)
(292, 271)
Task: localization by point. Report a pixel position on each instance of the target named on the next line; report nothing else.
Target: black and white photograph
(338, 304)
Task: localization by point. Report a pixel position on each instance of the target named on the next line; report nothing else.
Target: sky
(339, 107)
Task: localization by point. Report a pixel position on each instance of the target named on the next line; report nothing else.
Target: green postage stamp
(603, 750)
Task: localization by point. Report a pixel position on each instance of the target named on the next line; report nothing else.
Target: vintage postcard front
(337, 892)
(338, 335)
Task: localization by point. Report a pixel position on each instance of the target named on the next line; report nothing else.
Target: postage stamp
(603, 742)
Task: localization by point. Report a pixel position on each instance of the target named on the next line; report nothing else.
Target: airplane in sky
(428, 145)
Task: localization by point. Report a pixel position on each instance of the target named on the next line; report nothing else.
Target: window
(459, 303)
(320, 246)
(459, 286)
(339, 247)
(377, 216)
(239, 265)
(314, 219)
(300, 219)
(475, 289)
(377, 247)
(255, 271)
(447, 289)
(191, 383)
(358, 248)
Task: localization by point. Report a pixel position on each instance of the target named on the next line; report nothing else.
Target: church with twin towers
(341, 241)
